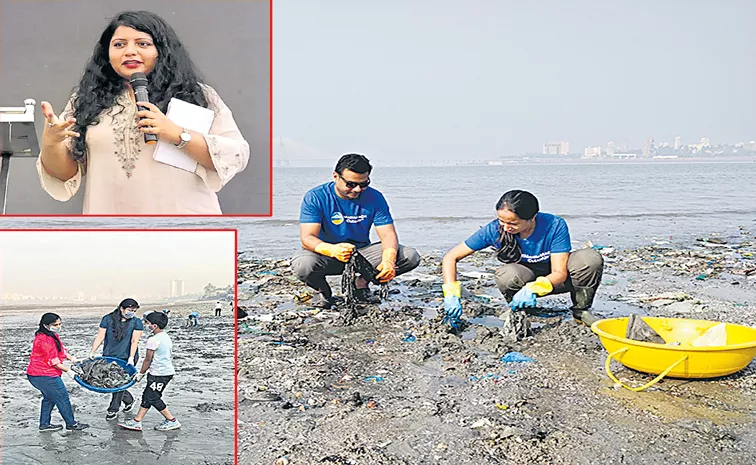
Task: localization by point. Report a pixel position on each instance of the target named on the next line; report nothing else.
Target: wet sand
(200, 396)
(312, 391)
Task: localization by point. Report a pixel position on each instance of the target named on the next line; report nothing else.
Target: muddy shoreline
(397, 388)
(201, 396)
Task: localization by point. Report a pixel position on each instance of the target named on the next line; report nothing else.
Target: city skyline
(428, 81)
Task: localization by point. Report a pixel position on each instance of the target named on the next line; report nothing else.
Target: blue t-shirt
(343, 220)
(550, 235)
(120, 349)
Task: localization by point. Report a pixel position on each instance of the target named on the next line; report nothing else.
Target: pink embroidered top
(45, 355)
(123, 178)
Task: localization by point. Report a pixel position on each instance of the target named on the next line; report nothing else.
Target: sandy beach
(396, 387)
(200, 395)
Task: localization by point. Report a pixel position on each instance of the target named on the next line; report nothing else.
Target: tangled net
(357, 265)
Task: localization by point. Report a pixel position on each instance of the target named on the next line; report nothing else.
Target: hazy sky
(132, 263)
(453, 79)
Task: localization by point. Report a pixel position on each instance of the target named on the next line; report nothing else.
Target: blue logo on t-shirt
(337, 218)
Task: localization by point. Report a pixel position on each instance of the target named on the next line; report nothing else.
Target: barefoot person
(44, 370)
(335, 220)
(536, 250)
(158, 365)
(119, 335)
(100, 133)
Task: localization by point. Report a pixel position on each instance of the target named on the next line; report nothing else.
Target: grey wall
(44, 46)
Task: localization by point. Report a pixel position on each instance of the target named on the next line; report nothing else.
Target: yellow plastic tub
(683, 361)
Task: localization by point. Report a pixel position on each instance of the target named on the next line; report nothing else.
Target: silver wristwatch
(185, 139)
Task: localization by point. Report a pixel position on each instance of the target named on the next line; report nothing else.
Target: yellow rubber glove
(540, 287)
(340, 252)
(387, 267)
(452, 289)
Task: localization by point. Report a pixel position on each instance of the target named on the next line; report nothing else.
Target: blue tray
(130, 369)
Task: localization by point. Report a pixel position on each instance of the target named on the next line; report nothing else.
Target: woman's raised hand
(56, 130)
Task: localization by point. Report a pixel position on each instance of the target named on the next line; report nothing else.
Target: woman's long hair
(174, 75)
(46, 320)
(116, 325)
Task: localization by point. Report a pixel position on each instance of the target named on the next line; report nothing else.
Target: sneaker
(127, 407)
(78, 426)
(111, 415)
(585, 317)
(365, 296)
(132, 425)
(319, 301)
(51, 427)
(168, 425)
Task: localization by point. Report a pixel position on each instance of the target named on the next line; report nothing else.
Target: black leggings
(153, 393)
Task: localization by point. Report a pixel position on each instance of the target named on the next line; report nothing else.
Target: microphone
(139, 84)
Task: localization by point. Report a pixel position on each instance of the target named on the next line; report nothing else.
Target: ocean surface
(435, 208)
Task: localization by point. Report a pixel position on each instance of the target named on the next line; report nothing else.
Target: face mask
(129, 315)
(150, 329)
(54, 329)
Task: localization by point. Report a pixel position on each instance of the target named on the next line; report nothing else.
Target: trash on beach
(409, 338)
(713, 337)
(516, 357)
(515, 326)
(639, 330)
(482, 377)
(101, 373)
(357, 265)
(374, 379)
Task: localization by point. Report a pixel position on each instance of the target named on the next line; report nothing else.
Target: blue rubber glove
(452, 304)
(524, 298)
(453, 309)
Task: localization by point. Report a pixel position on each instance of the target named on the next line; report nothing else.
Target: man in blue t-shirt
(335, 220)
(536, 250)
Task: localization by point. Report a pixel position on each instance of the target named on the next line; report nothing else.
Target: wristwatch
(185, 138)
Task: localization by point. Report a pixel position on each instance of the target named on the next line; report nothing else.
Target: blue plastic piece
(516, 357)
(374, 379)
(130, 369)
(409, 338)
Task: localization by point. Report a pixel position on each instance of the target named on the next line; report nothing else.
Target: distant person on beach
(538, 260)
(119, 335)
(335, 220)
(101, 132)
(44, 370)
(158, 365)
(192, 319)
(218, 306)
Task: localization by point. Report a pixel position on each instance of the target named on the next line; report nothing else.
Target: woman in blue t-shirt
(119, 335)
(535, 248)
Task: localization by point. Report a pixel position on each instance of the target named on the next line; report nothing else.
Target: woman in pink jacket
(44, 370)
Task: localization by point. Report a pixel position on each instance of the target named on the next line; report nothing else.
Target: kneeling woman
(44, 370)
(535, 248)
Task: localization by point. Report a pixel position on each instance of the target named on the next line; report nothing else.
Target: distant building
(177, 288)
(610, 148)
(592, 152)
(678, 142)
(705, 142)
(556, 148)
(648, 147)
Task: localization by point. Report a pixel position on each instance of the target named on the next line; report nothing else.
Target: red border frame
(270, 156)
(236, 299)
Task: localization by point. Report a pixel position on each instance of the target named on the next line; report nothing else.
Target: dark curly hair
(174, 75)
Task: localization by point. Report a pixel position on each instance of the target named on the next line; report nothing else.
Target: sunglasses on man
(352, 184)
